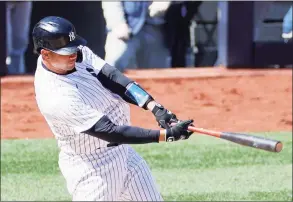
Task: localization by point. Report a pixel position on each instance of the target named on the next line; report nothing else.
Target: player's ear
(45, 54)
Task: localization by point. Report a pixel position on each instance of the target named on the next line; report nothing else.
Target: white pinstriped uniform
(75, 102)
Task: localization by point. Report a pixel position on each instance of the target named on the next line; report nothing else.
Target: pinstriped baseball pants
(116, 174)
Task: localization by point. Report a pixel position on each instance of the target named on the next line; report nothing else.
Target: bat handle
(205, 131)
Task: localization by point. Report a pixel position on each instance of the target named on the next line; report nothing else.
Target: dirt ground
(217, 99)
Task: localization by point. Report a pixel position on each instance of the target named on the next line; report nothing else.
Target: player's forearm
(106, 130)
(118, 83)
(131, 92)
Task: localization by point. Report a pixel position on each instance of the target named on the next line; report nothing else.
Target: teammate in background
(18, 16)
(85, 103)
(135, 34)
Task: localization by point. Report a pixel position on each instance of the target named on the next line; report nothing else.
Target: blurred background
(198, 39)
(194, 33)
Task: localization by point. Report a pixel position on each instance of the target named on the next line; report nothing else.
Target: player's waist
(74, 147)
(99, 153)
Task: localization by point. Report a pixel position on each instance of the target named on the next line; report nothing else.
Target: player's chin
(71, 65)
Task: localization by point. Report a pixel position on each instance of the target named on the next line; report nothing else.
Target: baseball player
(85, 103)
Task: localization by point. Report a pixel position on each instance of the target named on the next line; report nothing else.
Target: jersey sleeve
(74, 113)
(92, 60)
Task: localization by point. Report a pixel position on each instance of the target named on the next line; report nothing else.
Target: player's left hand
(186, 134)
(158, 8)
(178, 131)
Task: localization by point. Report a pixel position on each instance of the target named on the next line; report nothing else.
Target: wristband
(138, 95)
(170, 138)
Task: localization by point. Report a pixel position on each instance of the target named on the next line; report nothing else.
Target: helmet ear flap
(38, 45)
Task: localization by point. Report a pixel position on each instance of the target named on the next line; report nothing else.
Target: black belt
(113, 144)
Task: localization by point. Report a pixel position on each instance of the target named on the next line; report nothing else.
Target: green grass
(199, 169)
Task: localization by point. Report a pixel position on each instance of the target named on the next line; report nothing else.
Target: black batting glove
(186, 134)
(178, 131)
(163, 116)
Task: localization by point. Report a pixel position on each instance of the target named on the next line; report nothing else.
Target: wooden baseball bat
(243, 139)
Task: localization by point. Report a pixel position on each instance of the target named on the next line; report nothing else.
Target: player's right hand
(164, 117)
(178, 131)
(122, 31)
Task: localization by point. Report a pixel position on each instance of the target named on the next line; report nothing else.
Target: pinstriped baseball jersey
(73, 103)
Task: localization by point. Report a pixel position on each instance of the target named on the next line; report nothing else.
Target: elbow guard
(138, 95)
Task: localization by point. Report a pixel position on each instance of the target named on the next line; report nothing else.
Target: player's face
(59, 62)
(64, 62)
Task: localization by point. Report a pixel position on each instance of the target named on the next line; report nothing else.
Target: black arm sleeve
(112, 79)
(108, 131)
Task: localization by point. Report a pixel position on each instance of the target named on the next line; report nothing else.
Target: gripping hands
(178, 131)
(165, 117)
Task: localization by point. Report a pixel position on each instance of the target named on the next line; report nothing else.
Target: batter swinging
(85, 103)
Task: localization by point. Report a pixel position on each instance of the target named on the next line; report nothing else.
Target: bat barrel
(253, 141)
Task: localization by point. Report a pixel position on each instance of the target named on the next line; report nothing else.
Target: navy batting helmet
(57, 35)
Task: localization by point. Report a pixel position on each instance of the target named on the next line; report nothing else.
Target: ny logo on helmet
(71, 36)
